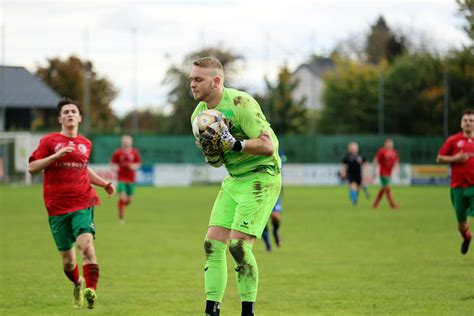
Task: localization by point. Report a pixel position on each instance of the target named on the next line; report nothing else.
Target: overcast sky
(266, 33)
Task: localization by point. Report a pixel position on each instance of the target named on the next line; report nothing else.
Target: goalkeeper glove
(229, 142)
(215, 161)
(210, 141)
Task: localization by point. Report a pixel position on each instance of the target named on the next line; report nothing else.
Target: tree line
(384, 72)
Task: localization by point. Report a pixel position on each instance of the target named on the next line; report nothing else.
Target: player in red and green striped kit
(248, 148)
(70, 198)
(458, 151)
(387, 158)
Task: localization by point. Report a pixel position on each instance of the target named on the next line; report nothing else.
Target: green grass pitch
(335, 259)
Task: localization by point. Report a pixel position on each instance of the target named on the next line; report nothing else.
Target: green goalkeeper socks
(215, 271)
(246, 269)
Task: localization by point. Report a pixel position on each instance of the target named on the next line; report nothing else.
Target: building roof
(21, 89)
(319, 66)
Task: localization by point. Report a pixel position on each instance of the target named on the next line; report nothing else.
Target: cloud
(267, 35)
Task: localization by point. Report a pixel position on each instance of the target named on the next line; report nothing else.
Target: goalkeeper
(248, 148)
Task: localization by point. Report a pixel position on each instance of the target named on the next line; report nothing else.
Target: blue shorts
(277, 208)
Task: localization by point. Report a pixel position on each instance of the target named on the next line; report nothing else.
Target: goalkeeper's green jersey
(248, 121)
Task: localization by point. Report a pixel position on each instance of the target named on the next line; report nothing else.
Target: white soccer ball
(205, 119)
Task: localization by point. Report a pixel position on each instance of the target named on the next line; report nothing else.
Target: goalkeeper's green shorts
(244, 203)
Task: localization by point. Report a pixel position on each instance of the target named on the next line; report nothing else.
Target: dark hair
(468, 112)
(65, 101)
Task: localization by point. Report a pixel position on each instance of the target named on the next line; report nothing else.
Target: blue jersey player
(275, 217)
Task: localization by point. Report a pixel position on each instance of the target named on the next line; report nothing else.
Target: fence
(298, 149)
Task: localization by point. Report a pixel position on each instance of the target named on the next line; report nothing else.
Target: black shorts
(354, 178)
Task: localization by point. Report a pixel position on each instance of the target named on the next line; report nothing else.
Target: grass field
(335, 260)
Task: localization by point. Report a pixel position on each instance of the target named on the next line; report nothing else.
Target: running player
(387, 158)
(458, 151)
(70, 198)
(275, 216)
(125, 160)
(351, 168)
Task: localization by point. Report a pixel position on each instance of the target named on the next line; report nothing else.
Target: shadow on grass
(467, 298)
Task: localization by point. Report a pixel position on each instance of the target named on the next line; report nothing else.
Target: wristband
(239, 145)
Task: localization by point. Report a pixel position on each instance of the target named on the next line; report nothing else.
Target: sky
(133, 43)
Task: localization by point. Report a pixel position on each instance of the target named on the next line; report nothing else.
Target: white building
(310, 83)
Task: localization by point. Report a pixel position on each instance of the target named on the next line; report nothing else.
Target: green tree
(460, 66)
(382, 43)
(466, 9)
(350, 99)
(414, 95)
(66, 77)
(286, 115)
(180, 96)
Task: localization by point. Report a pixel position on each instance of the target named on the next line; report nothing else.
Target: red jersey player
(387, 158)
(458, 151)
(126, 160)
(70, 198)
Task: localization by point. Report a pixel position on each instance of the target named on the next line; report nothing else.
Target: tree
(414, 95)
(383, 44)
(350, 99)
(180, 96)
(466, 9)
(66, 77)
(460, 68)
(286, 115)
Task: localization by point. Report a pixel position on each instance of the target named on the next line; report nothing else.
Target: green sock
(246, 269)
(215, 271)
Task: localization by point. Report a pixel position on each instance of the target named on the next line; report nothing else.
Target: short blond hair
(208, 62)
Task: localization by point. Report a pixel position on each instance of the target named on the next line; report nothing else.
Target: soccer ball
(205, 119)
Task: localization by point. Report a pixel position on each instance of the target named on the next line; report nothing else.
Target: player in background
(458, 152)
(275, 216)
(249, 150)
(70, 198)
(352, 168)
(387, 158)
(125, 161)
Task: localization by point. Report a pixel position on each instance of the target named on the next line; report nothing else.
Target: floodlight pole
(381, 103)
(86, 83)
(446, 103)
(266, 58)
(134, 82)
(314, 95)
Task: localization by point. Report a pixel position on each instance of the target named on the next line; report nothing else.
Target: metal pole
(446, 103)
(266, 59)
(134, 82)
(381, 103)
(314, 95)
(86, 83)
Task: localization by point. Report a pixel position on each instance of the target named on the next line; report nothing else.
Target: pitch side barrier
(299, 149)
(162, 175)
